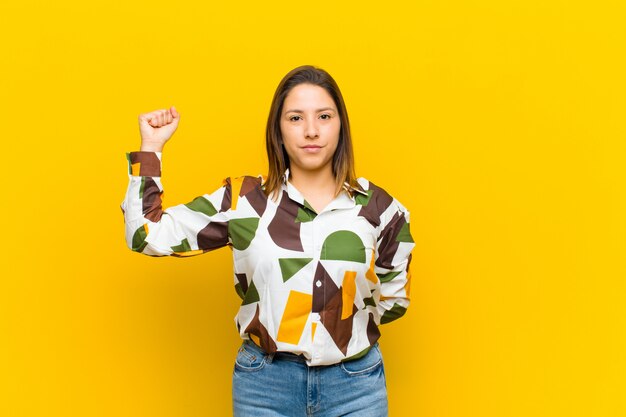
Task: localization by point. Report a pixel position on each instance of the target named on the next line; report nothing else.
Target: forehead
(307, 96)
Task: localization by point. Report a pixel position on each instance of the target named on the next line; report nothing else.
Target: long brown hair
(278, 160)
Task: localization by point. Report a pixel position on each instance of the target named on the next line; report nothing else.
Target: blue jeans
(284, 385)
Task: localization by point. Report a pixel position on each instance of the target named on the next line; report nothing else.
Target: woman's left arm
(394, 247)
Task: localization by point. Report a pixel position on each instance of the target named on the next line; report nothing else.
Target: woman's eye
(324, 116)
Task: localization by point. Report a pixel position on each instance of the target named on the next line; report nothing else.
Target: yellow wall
(499, 124)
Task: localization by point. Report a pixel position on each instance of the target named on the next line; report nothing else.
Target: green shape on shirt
(141, 187)
(139, 239)
(289, 266)
(369, 301)
(239, 291)
(130, 168)
(358, 355)
(242, 231)
(364, 200)
(307, 205)
(343, 245)
(252, 295)
(396, 311)
(183, 247)
(388, 276)
(405, 234)
(202, 205)
(304, 215)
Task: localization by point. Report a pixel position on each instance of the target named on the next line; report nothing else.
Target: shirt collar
(343, 200)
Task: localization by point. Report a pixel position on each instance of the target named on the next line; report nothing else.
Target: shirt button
(318, 283)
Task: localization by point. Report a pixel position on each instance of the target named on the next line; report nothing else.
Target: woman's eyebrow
(300, 111)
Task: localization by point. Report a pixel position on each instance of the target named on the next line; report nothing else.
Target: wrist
(144, 163)
(151, 147)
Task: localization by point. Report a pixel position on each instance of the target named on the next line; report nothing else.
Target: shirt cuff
(144, 164)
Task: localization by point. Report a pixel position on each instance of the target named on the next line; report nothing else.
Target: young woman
(321, 257)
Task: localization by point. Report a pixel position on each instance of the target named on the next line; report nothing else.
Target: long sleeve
(180, 230)
(394, 247)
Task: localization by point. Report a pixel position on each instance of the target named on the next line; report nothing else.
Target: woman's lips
(311, 148)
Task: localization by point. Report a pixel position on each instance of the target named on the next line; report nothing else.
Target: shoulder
(244, 184)
(247, 188)
(373, 190)
(379, 206)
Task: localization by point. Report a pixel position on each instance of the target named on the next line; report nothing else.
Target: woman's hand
(157, 127)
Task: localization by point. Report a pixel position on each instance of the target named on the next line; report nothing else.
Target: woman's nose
(311, 129)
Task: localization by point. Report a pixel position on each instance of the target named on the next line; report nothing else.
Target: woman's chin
(310, 167)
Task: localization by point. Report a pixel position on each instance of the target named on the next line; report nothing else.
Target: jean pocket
(248, 359)
(364, 365)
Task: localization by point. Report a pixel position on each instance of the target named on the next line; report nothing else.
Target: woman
(321, 258)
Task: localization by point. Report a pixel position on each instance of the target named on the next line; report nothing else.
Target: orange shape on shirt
(348, 291)
(370, 274)
(295, 316)
(407, 286)
(235, 185)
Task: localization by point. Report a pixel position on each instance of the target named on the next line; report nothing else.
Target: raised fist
(156, 127)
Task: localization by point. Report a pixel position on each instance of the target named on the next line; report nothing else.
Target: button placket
(315, 317)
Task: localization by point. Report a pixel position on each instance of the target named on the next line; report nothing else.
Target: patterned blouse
(317, 284)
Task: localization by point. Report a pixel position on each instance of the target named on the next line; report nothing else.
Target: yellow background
(499, 124)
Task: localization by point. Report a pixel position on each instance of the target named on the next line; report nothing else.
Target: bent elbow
(394, 313)
(136, 240)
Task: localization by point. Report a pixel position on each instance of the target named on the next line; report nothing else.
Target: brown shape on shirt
(151, 202)
(256, 328)
(376, 206)
(251, 190)
(283, 229)
(323, 292)
(227, 198)
(340, 330)
(243, 281)
(373, 332)
(328, 302)
(214, 235)
(388, 245)
(149, 163)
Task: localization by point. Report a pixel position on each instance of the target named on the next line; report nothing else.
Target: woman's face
(310, 126)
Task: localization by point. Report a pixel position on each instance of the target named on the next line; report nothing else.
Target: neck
(322, 179)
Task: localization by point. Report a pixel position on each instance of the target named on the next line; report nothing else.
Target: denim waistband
(296, 357)
(282, 355)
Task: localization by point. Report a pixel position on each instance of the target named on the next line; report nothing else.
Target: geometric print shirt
(316, 284)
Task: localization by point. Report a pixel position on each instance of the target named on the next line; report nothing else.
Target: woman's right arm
(181, 230)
